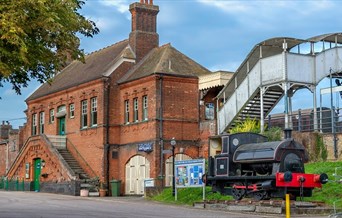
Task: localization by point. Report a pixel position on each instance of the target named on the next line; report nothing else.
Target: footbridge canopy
(275, 68)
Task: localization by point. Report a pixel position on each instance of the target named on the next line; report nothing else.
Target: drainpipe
(161, 140)
(106, 84)
(7, 156)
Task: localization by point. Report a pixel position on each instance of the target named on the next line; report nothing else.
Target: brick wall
(88, 141)
(308, 139)
(3, 151)
(207, 127)
(36, 148)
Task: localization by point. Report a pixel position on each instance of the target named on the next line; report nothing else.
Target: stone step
(73, 164)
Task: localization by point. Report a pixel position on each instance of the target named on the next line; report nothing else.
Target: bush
(273, 133)
(247, 125)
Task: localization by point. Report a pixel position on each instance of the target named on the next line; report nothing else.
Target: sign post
(188, 174)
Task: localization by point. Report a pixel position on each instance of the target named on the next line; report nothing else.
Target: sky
(218, 34)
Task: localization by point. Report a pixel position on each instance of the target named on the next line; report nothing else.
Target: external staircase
(252, 109)
(85, 181)
(276, 68)
(73, 164)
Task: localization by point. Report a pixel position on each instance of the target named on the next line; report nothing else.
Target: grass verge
(330, 193)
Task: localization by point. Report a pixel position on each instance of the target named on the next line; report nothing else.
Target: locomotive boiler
(248, 165)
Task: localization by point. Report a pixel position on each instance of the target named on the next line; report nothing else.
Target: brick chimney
(144, 36)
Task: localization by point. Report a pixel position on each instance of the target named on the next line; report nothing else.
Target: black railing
(303, 120)
(12, 185)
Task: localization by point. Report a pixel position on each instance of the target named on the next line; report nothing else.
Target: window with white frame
(84, 114)
(126, 111)
(71, 110)
(41, 122)
(144, 107)
(135, 111)
(93, 111)
(34, 124)
(52, 116)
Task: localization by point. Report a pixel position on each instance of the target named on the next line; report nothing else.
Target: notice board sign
(188, 173)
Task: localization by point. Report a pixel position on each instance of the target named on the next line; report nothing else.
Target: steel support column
(290, 110)
(262, 122)
(315, 109)
(286, 106)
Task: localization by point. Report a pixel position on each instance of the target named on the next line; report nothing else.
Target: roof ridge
(106, 47)
(161, 59)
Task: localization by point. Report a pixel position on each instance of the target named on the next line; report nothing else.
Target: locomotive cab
(222, 149)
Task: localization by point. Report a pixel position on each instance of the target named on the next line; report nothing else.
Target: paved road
(43, 205)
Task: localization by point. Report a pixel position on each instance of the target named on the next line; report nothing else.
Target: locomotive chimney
(287, 133)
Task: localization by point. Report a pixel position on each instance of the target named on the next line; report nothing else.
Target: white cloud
(229, 65)
(120, 5)
(105, 23)
(229, 6)
(255, 9)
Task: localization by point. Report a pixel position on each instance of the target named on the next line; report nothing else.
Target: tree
(39, 37)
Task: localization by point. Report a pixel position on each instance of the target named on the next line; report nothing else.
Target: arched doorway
(137, 170)
(168, 167)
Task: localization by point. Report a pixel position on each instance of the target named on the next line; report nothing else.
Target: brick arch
(137, 169)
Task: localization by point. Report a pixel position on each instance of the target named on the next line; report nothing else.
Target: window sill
(136, 122)
(89, 127)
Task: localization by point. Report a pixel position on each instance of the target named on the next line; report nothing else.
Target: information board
(188, 173)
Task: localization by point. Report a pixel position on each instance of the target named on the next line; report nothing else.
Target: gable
(167, 60)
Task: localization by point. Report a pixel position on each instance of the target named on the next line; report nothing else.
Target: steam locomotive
(248, 165)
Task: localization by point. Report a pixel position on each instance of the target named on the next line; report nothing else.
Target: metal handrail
(81, 157)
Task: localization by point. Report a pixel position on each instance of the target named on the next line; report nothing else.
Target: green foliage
(273, 133)
(247, 125)
(321, 153)
(252, 125)
(331, 192)
(39, 37)
(188, 196)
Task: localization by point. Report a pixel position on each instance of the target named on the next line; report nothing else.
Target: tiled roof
(77, 73)
(165, 59)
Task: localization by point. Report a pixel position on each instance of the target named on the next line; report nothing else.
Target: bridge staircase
(252, 108)
(276, 68)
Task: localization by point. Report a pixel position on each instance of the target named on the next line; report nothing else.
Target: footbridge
(277, 68)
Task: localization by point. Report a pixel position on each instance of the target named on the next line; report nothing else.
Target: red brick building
(112, 116)
(10, 144)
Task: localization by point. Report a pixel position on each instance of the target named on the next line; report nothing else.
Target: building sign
(146, 147)
(149, 182)
(188, 173)
(209, 111)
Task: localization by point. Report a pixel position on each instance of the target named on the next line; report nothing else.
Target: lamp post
(173, 144)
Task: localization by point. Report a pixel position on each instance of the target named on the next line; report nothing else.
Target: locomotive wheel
(238, 193)
(259, 195)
